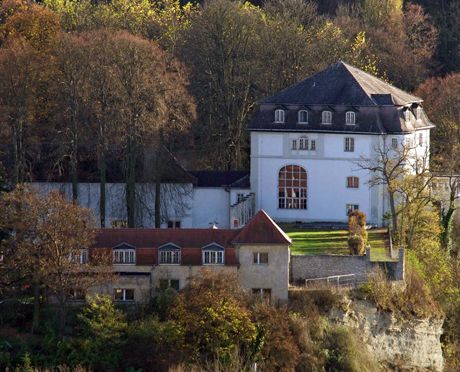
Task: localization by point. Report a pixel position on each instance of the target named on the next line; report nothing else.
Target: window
(350, 118)
(407, 114)
(262, 293)
(173, 224)
(349, 144)
(169, 283)
(124, 254)
(303, 143)
(419, 112)
(118, 224)
(351, 208)
(279, 116)
(394, 143)
(292, 187)
(313, 145)
(352, 182)
(213, 254)
(123, 294)
(420, 139)
(327, 117)
(81, 257)
(303, 117)
(77, 295)
(169, 254)
(239, 197)
(294, 145)
(260, 258)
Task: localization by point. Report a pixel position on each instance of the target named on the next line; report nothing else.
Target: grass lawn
(334, 242)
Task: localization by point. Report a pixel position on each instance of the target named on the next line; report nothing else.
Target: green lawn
(334, 242)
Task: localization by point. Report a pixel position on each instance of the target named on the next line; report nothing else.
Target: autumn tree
(153, 104)
(215, 320)
(47, 247)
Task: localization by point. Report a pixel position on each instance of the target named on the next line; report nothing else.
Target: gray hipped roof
(342, 84)
(378, 106)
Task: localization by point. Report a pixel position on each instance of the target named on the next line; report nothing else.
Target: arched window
(303, 117)
(327, 117)
(303, 143)
(353, 182)
(279, 116)
(292, 187)
(350, 118)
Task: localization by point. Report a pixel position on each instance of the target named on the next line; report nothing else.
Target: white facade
(328, 166)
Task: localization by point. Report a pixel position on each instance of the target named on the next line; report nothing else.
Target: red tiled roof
(262, 230)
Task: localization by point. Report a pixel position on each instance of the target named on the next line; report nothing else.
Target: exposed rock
(408, 344)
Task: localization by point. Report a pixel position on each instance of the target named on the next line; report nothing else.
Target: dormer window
(169, 254)
(124, 254)
(302, 117)
(326, 117)
(407, 114)
(213, 254)
(279, 116)
(350, 118)
(419, 112)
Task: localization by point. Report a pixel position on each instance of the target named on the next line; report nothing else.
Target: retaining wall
(321, 266)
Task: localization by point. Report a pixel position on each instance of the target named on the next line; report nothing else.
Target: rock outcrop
(406, 344)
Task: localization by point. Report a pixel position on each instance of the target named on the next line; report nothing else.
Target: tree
(19, 66)
(216, 323)
(46, 247)
(154, 103)
(404, 174)
(104, 330)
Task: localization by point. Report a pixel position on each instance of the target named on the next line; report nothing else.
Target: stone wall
(322, 266)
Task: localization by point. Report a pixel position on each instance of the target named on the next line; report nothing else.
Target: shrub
(279, 351)
(152, 345)
(357, 239)
(345, 353)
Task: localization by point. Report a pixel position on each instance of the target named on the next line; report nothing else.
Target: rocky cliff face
(408, 344)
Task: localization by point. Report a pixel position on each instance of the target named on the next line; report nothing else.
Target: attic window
(419, 112)
(124, 254)
(407, 114)
(213, 254)
(169, 254)
(326, 117)
(279, 116)
(350, 118)
(302, 117)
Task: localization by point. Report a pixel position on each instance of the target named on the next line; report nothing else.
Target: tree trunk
(36, 314)
(158, 200)
(102, 182)
(131, 183)
(74, 164)
(394, 217)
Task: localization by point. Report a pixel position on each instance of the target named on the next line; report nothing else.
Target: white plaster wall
(176, 204)
(234, 194)
(327, 171)
(211, 205)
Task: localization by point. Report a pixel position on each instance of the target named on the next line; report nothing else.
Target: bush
(357, 239)
(152, 345)
(414, 300)
(345, 353)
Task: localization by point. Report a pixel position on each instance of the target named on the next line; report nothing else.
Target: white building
(306, 143)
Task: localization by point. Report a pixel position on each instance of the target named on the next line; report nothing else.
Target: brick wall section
(320, 266)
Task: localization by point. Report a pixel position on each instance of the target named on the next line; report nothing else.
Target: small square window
(394, 143)
(260, 258)
(349, 144)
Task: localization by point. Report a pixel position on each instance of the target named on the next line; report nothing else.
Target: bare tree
(400, 169)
